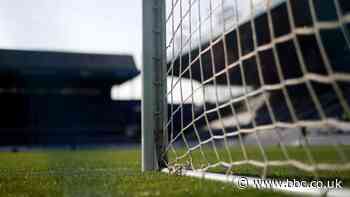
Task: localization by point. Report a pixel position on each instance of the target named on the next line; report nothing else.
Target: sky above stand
(103, 26)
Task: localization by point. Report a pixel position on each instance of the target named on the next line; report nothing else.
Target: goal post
(154, 103)
(247, 88)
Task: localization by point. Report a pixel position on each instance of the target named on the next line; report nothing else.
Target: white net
(259, 87)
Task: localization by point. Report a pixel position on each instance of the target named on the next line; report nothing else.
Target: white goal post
(258, 89)
(154, 104)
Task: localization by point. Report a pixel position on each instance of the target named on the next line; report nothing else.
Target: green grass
(100, 172)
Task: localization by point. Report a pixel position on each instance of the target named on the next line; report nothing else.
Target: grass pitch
(99, 172)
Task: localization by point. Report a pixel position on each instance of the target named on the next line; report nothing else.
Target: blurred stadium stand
(55, 98)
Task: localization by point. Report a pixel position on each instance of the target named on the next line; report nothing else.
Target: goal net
(259, 88)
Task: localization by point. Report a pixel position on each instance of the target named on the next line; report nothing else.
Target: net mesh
(259, 87)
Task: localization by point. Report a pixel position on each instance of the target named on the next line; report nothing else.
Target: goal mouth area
(324, 166)
(285, 111)
(246, 182)
(280, 176)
